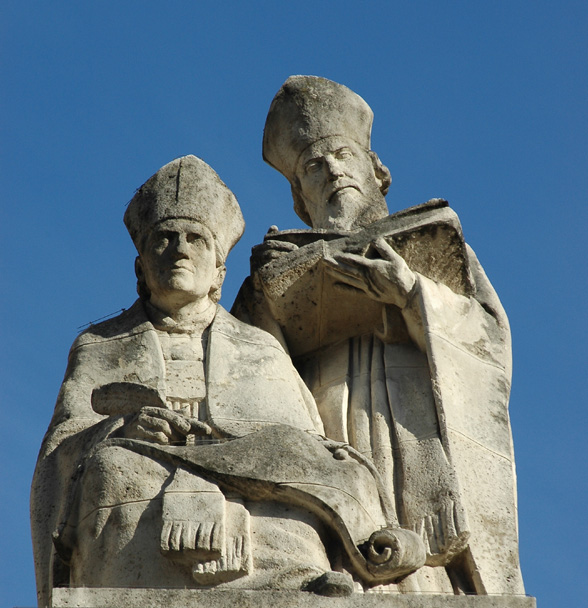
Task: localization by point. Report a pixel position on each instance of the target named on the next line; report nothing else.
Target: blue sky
(483, 104)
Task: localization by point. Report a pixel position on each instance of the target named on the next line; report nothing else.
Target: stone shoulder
(132, 320)
(229, 325)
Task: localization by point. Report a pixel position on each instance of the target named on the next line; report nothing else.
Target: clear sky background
(481, 103)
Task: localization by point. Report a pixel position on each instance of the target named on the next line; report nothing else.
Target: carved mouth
(176, 267)
(340, 189)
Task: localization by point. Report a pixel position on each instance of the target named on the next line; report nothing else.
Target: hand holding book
(381, 274)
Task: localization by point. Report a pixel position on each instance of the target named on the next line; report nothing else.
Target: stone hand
(158, 425)
(387, 278)
(270, 250)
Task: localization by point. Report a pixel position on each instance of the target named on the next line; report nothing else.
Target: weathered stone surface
(188, 598)
(349, 439)
(302, 287)
(185, 451)
(399, 335)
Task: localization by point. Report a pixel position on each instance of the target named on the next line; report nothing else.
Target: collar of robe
(195, 324)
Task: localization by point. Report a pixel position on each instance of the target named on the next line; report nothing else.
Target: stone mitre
(309, 108)
(186, 188)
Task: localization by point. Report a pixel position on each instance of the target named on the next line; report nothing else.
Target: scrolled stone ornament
(395, 553)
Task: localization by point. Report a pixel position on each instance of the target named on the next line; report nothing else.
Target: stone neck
(194, 323)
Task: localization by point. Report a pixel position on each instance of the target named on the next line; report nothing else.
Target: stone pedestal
(190, 598)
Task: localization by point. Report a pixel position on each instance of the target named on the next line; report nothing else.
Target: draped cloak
(423, 394)
(254, 398)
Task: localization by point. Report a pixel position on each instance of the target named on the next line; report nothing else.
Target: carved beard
(350, 209)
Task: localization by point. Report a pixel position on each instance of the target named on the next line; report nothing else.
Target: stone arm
(465, 335)
(288, 465)
(380, 273)
(252, 307)
(73, 428)
(104, 364)
(376, 550)
(384, 276)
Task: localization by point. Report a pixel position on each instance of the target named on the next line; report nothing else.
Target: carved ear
(215, 289)
(142, 289)
(221, 271)
(139, 273)
(382, 173)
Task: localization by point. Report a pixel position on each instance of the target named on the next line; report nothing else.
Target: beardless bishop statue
(185, 451)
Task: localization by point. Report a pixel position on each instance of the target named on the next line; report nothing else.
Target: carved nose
(181, 247)
(334, 170)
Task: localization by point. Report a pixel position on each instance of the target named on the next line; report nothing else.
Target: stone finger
(155, 424)
(156, 436)
(178, 421)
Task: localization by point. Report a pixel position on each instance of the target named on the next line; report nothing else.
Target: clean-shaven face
(179, 261)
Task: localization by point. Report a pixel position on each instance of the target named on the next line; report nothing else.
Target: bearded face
(338, 185)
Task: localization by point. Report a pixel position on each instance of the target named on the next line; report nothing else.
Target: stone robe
(423, 392)
(270, 472)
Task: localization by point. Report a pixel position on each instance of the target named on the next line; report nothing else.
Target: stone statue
(399, 335)
(185, 451)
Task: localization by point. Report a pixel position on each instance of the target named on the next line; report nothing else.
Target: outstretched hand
(387, 278)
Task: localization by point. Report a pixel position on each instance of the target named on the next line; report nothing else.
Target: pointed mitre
(309, 108)
(186, 188)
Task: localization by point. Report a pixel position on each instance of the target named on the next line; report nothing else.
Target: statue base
(85, 597)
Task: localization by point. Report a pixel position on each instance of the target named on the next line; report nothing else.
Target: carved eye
(160, 240)
(192, 237)
(313, 166)
(343, 154)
